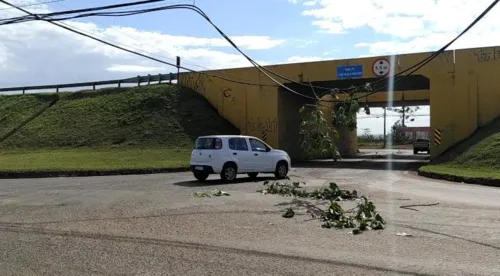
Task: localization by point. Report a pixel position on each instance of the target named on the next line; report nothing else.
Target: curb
(454, 178)
(86, 173)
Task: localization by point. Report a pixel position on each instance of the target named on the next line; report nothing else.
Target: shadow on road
(213, 182)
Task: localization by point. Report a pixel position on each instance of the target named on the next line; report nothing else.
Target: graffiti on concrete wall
(260, 125)
(487, 54)
(196, 81)
(227, 94)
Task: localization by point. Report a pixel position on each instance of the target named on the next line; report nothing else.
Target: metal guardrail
(149, 79)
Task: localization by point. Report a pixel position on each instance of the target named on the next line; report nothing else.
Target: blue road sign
(349, 72)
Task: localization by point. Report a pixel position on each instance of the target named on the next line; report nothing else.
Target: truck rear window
(208, 143)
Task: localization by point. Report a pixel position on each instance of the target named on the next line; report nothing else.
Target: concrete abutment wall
(464, 94)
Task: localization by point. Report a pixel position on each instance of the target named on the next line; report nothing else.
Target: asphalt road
(151, 225)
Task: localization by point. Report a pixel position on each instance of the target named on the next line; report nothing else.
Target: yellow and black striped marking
(264, 136)
(437, 137)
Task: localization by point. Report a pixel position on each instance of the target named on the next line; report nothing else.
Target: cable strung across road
(49, 17)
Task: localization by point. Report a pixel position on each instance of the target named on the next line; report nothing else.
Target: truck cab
(421, 144)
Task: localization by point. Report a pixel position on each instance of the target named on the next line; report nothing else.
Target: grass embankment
(476, 160)
(150, 127)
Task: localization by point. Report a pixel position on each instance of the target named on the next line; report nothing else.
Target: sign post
(381, 67)
(349, 72)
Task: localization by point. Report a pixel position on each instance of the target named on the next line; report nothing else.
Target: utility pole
(178, 71)
(404, 115)
(404, 107)
(385, 124)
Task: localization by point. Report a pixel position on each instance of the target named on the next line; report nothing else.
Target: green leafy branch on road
(332, 192)
(363, 217)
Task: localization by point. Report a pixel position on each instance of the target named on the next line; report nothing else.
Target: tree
(397, 134)
(405, 113)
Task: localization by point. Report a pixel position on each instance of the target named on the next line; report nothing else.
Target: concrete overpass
(460, 87)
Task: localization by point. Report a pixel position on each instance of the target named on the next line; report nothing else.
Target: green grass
(476, 157)
(110, 129)
(156, 115)
(462, 172)
(14, 110)
(93, 159)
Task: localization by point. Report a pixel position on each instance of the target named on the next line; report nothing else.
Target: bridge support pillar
(348, 139)
(348, 142)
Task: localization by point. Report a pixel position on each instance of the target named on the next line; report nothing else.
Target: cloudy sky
(270, 31)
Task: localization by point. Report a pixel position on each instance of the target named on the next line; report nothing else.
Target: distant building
(413, 133)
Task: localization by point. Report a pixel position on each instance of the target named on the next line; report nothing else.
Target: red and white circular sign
(381, 67)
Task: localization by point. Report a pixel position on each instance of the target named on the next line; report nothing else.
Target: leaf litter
(215, 192)
(361, 218)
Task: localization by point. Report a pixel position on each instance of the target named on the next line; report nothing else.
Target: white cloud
(414, 25)
(40, 53)
(329, 27)
(331, 52)
(134, 68)
(310, 3)
(305, 43)
(296, 59)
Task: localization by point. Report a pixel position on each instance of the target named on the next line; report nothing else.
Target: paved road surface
(150, 225)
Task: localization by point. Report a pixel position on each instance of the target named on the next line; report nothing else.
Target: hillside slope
(476, 157)
(155, 115)
(17, 110)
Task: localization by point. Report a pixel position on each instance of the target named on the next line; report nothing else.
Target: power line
(66, 27)
(258, 66)
(132, 47)
(34, 4)
(431, 57)
(46, 17)
(181, 6)
(413, 68)
(190, 7)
